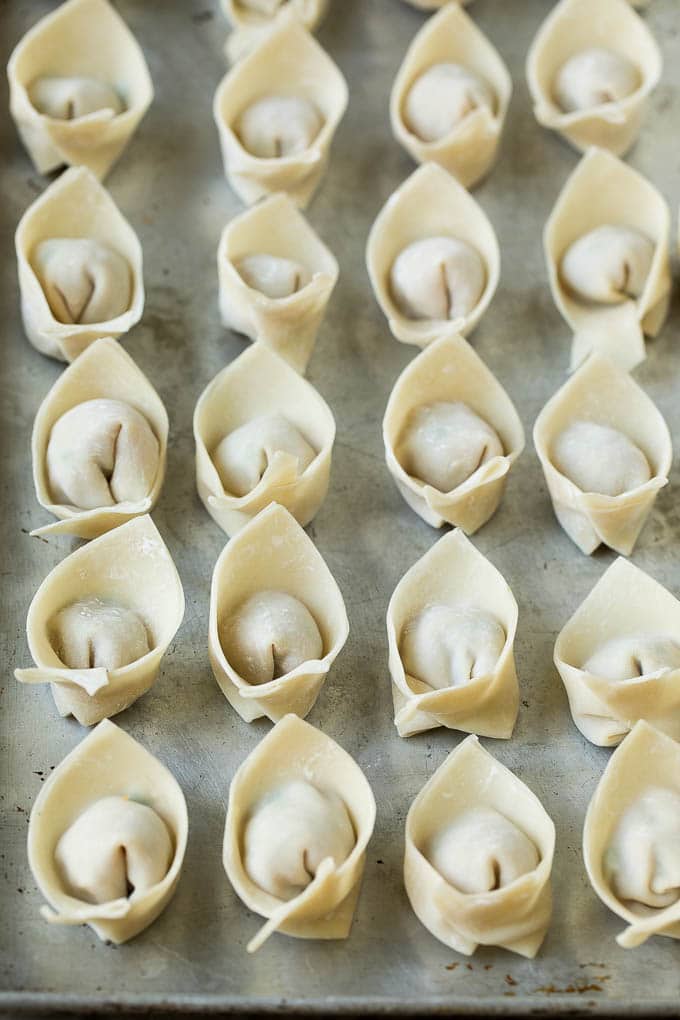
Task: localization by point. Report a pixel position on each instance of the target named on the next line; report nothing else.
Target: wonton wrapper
(454, 573)
(103, 371)
(602, 190)
(274, 553)
(76, 205)
(575, 25)
(646, 758)
(256, 383)
(449, 370)
(107, 762)
(131, 566)
(469, 151)
(625, 602)
(515, 917)
(82, 38)
(287, 325)
(296, 750)
(603, 393)
(250, 27)
(288, 62)
(430, 203)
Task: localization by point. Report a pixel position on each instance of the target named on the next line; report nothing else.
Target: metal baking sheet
(170, 184)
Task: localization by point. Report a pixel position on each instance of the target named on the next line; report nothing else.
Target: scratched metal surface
(170, 184)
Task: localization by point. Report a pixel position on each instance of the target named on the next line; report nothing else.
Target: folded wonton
(429, 204)
(273, 554)
(104, 372)
(453, 574)
(450, 371)
(507, 900)
(288, 324)
(603, 191)
(106, 763)
(572, 27)
(253, 19)
(469, 150)
(259, 384)
(628, 619)
(83, 39)
(294, 754)
(604, 394)
(74, 206)
(290, 63)
(632, 834)
(131, 568)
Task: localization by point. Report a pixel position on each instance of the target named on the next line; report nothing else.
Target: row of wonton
(92, 27)
(514, 917)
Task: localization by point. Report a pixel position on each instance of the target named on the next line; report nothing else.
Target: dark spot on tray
(451, 966)
(488, 966)
(202, 16)
(509, 980)
(379, 862)
(469, 966)
(525, 703)
(569, 990)
(20, 890)
(509, 994)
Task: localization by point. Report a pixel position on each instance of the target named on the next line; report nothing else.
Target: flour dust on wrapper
(111, 774)
(432, 205)
(450, 47)
(610, 317)
(476, 819)
(80, 40)
(632, 834)
(619, 658)
(606, 430)
(612, 29)
(251, 20)
(451, 625)
(103, 378)
(274, 559)
(270, 833)
(75, 207)
(129, 568)
(274, 236)
(449, 374)
(305, 91)
(260, 400)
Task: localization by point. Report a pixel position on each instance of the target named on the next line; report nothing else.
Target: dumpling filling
(268, 635)
(441, 98)
(443, 444)
(608, 265)
(272, 275)
(481, 851)
(243, 456)
(84, 281)
(290, 832)
(448, 646)
(274, 127)
(94, 633)
(68, 98)
(642, 861)
(100, 453)
(594, 77)
(629, 658)
(114, 849)
(266, 7)
(437, 278)
(600, 459)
